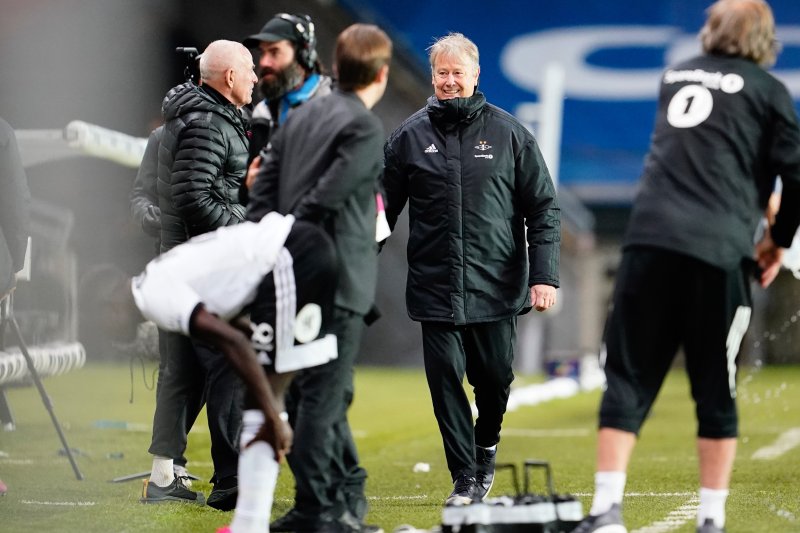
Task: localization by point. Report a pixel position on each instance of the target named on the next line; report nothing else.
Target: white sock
(180, 471)
(258, 475)
(608, 490)
(162, 473)
(712, 505)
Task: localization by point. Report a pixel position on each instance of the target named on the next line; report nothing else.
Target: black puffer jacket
(202, 161)
(473, 177)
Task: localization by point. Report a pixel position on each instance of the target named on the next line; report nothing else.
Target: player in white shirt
(261, 293)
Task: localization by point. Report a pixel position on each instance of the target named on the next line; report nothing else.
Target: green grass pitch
(394, 428)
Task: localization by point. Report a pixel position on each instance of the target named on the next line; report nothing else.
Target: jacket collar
(456, 110)
(296, 96)
(188, 97)
(217, 96)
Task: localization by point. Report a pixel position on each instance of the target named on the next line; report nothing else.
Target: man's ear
(230, 77)
(382, 74)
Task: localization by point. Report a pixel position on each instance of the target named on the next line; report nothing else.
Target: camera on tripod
(192, 69)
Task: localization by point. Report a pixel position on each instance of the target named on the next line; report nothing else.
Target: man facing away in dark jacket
(202, 160)
(144, 192)
(323, 167)
(474, 179)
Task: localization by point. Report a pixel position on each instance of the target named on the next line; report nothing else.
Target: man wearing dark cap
(289, 74)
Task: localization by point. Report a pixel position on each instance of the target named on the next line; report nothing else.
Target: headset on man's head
(306, 48)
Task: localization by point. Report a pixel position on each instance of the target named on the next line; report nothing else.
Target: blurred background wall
(109, 62)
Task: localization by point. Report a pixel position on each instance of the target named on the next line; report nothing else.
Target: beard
(281, 82)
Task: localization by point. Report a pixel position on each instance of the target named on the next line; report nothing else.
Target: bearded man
(289, 74)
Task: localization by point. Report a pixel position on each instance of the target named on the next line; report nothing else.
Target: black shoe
(284, 523)
(608, 522)
(710, 527)
(463, 490)
(224, 494)
(295, 520)
(174, 492)
(484, 470)
(347, 523)
(356, 503)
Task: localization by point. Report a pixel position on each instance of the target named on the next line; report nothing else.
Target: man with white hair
(724, 130)
(484, 247)
(202, 161)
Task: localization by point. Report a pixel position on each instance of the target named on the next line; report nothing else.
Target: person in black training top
(724, 129)
(323, 167)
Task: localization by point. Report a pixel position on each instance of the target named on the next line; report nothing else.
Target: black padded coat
(202, 161)
(473, 178)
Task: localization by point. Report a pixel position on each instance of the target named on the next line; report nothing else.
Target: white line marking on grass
(399, 498)
(785, 442)
(63, 504)
(374, 498)
(645, 494)
(674, 520)
(201, 464)
(783, 513)
(575, 432)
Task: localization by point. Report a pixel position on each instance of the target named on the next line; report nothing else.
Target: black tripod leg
(43, 393)
(6, 415)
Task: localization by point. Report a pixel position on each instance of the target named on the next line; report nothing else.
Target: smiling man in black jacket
(323, 167)
(474, 178)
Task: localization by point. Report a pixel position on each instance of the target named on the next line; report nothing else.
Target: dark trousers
(195, 371)
(193, 405)
(324, 460)
(648, 324)
(484, 353)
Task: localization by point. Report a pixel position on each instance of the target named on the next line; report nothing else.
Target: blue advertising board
(612, 54)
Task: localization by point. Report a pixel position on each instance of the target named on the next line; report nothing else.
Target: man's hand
(10, 290)
(543, 297)
(768, 257)
(277, 434)
(243, 324)
(151, 221)
(252, 172)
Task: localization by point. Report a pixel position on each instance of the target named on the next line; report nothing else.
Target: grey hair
(454, 45)
(218, 57)
(743, 28)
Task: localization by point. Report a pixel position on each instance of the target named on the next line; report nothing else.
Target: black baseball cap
(276, 29)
